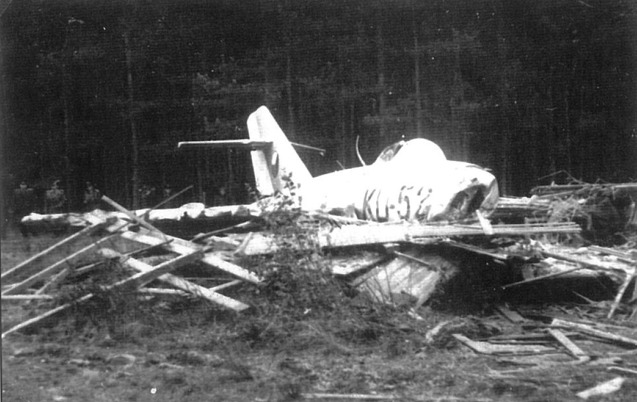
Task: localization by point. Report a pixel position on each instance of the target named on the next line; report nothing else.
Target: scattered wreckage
(397, 241)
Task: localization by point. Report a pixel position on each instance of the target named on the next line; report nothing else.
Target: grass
(305, 335)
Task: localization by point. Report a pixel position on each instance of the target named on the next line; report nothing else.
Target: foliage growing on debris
(108, 309)
(297, 280)
(603, 211)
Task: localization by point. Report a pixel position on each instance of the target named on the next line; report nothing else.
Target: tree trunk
(200, 181)
(550, 143)
(382, 99)
(352, 128)
(567, 132)
(67, 142)
(417, 103)
(460, 115)
(131, 117)
(291, 129)
(342, 113)
(268, 95)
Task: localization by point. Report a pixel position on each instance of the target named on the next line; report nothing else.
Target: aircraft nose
(462, 195)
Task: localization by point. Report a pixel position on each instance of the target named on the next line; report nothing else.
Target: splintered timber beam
(26, 297)
(620, 293)
(181, 246)
(27, 265)
(541, 278)
(46, 315)
(53, 269)
(356, 235)
(153, 236)
(568, 344)
(389, 233)
(162, 291)
(584, 263)
(491, 349)
(137, 280)
(627, 257)
(130, 214)
(57, 278)
(587, 329)
(178, 282)
(153, 272)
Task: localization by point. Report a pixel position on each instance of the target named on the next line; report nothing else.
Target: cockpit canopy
(416, 151)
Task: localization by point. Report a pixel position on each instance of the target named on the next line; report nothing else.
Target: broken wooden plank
(190, 211)
(427, 285)
(415, 259)
(26, 297)
(374, 233)
(58, 266)
(167, 200)
(605, 388)
(154, 272)
(578, 353)
(579, 261)
(623, 370)
(477, 250)
(587, 329)
(162, 291)
(366, 397)
(46, 315)
(225, 285)
(356, 261)
(620, 293)
(406, 280)
(181, 246)
(509, 314)
(530, 337)
(543, 361)
(131, 283)
(610, 251)
(551, 188)
(540, 278)
(354, 235)
(490, 349)
(130, 214)
(203, 236)
(30, 263)
(485, 224)
(86, 268)
(57, 278)
(182, 283)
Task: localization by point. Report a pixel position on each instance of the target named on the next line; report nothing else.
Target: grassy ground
(303, 339)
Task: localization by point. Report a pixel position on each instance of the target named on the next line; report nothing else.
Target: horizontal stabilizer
(241, 144)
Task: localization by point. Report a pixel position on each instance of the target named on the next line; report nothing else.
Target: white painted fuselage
(414, 182)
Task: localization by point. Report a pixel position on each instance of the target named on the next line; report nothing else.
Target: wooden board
(55, 268)
(181, 246)
(355, 262)
(403, 280)
(357, 235)
(35, 262)
(180, 283)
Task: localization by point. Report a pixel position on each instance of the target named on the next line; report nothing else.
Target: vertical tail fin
(274, 164)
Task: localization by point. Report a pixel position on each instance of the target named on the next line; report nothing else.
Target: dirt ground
(176, 349)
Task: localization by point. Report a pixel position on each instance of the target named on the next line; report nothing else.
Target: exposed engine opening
(467, 201)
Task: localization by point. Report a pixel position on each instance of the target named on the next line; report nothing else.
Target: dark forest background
(102, 90)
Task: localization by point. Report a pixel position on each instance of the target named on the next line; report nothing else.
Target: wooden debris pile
(395, 263)
(534, 341)
(603, 210)
(38, 277)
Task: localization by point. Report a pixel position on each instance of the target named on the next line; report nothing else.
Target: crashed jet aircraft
(410, 180)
